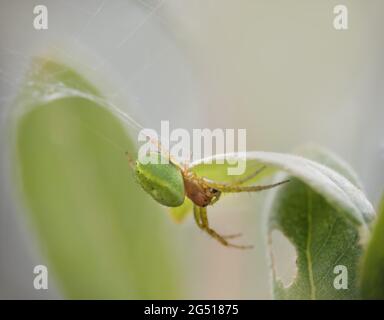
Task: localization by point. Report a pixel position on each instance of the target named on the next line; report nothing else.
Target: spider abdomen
(164, 182)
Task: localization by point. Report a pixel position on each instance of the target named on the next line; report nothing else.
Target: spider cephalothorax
(198, 191)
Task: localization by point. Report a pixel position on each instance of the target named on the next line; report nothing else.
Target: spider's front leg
(235, 188)
(201, 218)
(237, 185)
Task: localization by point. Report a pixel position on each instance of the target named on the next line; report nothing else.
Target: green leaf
(323, 239)
(178, 214)
(336, 189)
(320, 212)
(101, 234)
(372, 278)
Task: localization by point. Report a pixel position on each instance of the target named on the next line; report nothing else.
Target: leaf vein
(328, 237)
(308, 248)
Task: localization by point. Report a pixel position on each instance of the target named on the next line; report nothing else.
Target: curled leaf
(372, 277)
(320, 212)
(100, 234)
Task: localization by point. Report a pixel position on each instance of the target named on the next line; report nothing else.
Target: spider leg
(232, 236)
(131, 162)
(201, 218)
(236, 181)
(223, 187)
(248, 177)
(197, 216)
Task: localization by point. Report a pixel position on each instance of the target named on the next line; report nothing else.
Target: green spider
(170, 183)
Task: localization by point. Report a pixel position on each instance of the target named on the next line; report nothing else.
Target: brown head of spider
(198, 192)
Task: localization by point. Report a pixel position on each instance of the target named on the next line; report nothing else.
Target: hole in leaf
(283, 258)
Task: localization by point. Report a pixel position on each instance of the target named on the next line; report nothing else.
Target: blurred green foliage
(102, 235)
(372, 279)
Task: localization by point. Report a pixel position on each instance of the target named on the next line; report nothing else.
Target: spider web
(16, 53)
(135, 18)
(14, 62)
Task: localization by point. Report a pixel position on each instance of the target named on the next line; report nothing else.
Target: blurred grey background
(277, 68)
